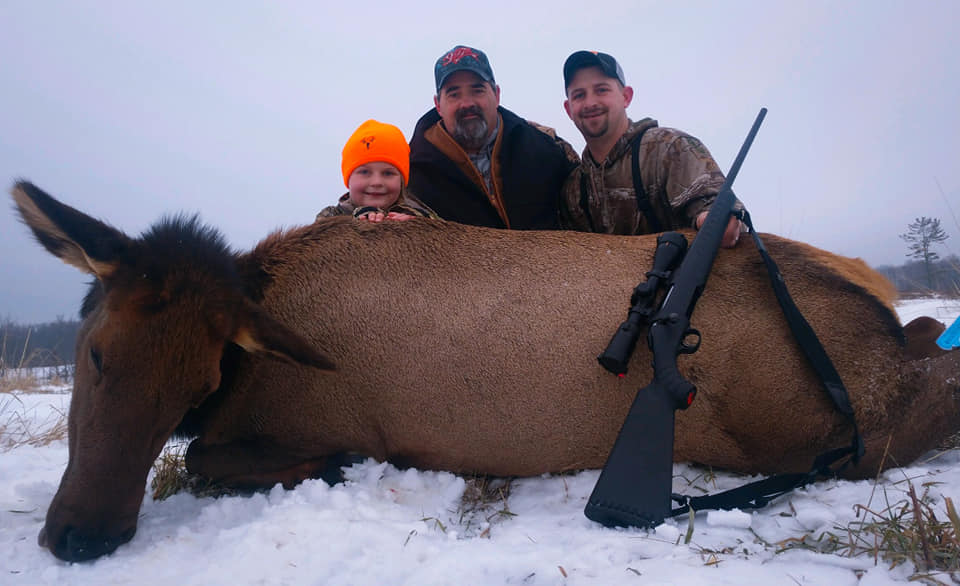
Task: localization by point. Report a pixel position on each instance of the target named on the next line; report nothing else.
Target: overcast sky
(239, 110)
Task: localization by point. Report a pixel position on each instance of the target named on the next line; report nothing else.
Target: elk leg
(261, 464)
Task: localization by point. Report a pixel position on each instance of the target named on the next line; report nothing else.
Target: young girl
(376, 168)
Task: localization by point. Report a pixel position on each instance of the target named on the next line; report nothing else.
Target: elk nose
(75, 546)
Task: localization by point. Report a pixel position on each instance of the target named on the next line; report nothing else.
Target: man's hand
(730, 236)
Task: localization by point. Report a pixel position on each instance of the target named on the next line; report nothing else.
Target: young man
(674, 172)
(474, 162)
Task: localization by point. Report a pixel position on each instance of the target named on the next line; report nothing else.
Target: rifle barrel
(703, 250)
(735, 168)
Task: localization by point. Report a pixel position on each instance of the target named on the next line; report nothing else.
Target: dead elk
(456, 348)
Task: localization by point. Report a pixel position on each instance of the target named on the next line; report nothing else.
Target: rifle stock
(634, 488)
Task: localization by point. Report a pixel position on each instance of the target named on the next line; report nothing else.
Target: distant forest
(46, 344)
(52, 343)
(912, 279)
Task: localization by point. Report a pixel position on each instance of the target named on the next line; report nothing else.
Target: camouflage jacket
(679, 175)
(406, 204)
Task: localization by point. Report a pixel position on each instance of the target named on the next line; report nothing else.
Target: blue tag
(950, 338)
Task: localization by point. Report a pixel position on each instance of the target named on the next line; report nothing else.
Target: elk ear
(258, 332)
(69, 234)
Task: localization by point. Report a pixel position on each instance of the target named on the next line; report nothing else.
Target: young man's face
(376, 184)
(468, 106)
(597, 104)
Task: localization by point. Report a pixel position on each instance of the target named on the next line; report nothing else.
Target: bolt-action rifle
(634, 489)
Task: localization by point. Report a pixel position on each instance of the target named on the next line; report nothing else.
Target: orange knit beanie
(376, 141)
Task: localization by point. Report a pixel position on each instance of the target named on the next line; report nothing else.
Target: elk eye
(97, 360)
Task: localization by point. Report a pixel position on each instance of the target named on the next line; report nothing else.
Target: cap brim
(480, 73)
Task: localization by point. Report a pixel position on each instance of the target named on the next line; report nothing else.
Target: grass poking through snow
(19, 427)
(170, 476)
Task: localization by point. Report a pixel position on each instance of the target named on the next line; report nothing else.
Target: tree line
(928, 273)
(44, 344)
(918, 277)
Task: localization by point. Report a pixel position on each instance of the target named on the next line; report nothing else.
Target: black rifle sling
(643, 202)
(758, 494)
(808, 341)
(585, 200)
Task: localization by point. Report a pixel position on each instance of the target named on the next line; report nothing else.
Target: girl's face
(375, 184)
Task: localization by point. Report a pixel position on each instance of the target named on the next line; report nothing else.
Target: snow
(390, 526)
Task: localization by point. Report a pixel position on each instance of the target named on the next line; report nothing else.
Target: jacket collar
(622, 146)
(508, 121)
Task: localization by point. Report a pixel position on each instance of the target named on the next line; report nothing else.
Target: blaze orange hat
(376, 141)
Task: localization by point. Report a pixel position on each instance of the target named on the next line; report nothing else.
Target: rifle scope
(671, 246)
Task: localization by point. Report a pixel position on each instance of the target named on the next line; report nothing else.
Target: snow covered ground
(389, 526)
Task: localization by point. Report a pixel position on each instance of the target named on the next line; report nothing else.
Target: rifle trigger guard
(687, 348)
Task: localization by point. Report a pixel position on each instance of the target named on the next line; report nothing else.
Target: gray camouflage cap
(581, 59)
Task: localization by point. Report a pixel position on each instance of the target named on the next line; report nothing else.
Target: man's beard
(471, 134)
(593, 131)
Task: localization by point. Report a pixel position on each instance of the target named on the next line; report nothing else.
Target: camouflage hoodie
(679, 175)
(406, 204)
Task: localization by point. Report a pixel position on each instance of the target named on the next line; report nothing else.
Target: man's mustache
(469, 111)
(593, 111)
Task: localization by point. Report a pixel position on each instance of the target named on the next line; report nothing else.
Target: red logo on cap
(368, 140)
(459, 53)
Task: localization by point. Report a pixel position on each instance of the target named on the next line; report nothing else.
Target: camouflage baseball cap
(581, 59)
(462, 58)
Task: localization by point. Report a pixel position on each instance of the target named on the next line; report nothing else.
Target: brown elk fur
(457, 348)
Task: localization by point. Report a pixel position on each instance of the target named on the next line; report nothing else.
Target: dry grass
(26, 381)
(19, 381)
(898, 530)
(952, 442)
(483, 504)
(21, 377)
(908, 530)
(171, 476)
(170, 473)
(20, 428)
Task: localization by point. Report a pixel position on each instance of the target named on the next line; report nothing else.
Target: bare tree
(921, 234)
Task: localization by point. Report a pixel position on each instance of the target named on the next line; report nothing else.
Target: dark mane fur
(175, 245)
(179, 238)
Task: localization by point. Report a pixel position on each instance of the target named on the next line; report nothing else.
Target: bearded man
(475, 162)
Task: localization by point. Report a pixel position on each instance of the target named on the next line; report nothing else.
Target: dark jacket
(528, 166)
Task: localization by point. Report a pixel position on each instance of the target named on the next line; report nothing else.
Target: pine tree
(921, 234)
